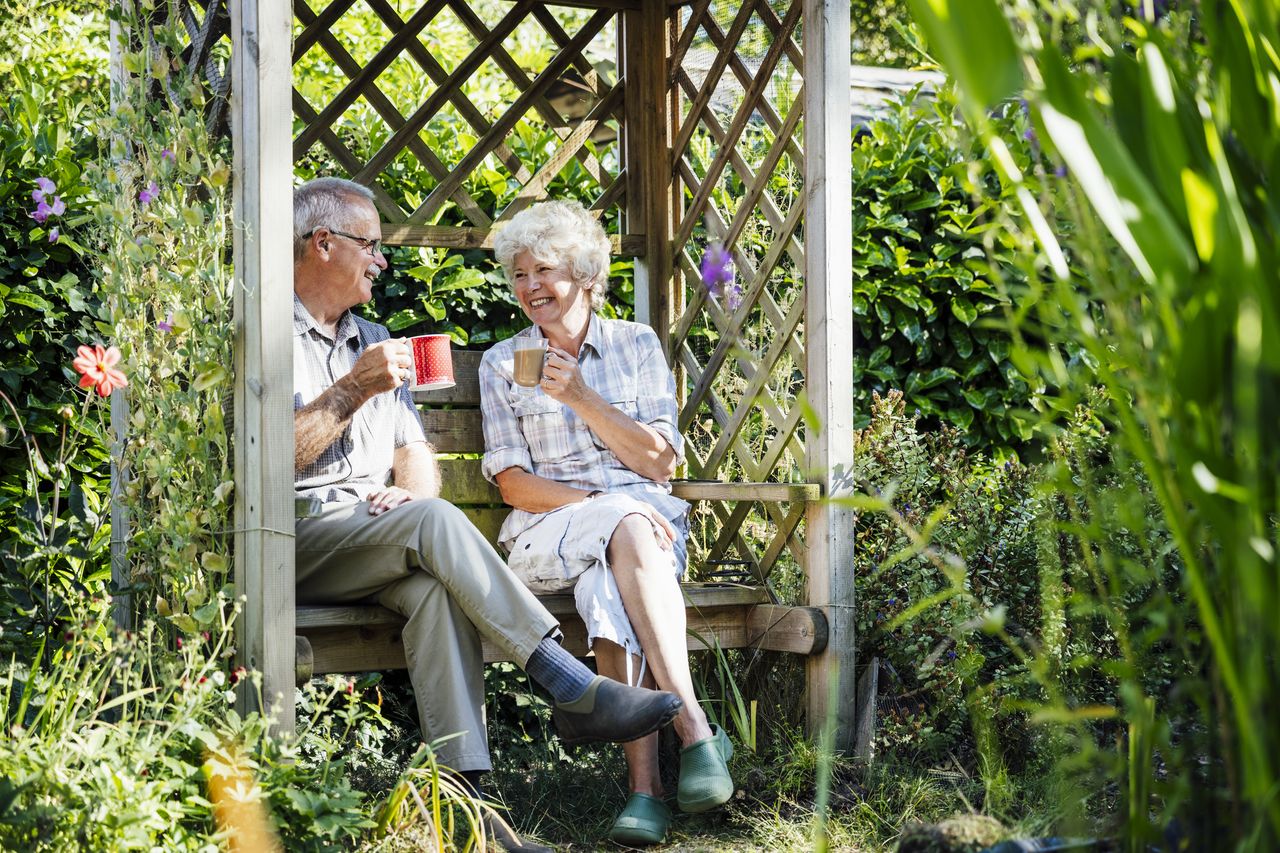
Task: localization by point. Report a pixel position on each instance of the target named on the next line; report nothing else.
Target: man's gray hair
(558, 232)
(323, 203)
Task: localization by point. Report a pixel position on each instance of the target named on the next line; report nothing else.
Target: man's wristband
(594, 493)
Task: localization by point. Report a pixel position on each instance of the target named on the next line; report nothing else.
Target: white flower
(219, 678)
(230, 696)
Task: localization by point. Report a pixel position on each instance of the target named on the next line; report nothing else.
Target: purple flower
(1061, 171)
(43, 187)
(54, 234)
(58, 207)
(717, 275)
(951, 654)
(166, 325)
(1029, 134)
(167, 154)
(149, 194)
(893, 602)
(42, 211)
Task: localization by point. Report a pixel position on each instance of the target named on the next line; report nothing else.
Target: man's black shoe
(614, 712)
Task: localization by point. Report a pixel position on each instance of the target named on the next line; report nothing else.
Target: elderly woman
(585, 457)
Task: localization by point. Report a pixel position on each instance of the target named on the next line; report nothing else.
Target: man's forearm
(320, 423)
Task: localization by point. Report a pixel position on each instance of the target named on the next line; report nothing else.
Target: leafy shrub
(928, 313)
(48, 304)
(917, 604)
(109, 742)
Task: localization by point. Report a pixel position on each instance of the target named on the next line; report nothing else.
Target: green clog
(643, 820)
(704, 773)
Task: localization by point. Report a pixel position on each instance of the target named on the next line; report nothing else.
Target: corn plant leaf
(1123, 199)
(973, 40)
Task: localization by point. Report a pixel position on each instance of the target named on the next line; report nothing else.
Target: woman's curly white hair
(558, 232)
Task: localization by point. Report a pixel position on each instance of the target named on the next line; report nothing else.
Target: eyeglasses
(373, 247)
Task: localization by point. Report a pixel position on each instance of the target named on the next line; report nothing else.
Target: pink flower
(149, 193)
(96, 367)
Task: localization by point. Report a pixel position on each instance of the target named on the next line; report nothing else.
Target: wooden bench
(359, 638)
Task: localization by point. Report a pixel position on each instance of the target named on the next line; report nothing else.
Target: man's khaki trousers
(427, 562)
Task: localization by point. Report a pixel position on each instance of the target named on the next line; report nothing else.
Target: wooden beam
(261, 119)
(465, 237)
(646, 142)
(829, 353)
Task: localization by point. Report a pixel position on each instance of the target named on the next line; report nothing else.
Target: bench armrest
(714, 490)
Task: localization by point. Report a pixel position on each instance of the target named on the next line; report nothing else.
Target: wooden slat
(462, 483)
(454, 431)
(802, 630)
(488, 520)
(829, 336)
(374, 67)
(504, 124)
(461, 73)
(466, 373)
(373, 646)
(438, 74)
(698, 596)
(703, 96)
(714, 490)
(753, 94)
(264, 495)
(391, 114)
(455, 237)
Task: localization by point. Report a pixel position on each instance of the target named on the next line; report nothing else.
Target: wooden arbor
(704, 128)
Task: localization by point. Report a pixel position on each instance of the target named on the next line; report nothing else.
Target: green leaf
(964, 310)
(1123, 199)
(973, 40)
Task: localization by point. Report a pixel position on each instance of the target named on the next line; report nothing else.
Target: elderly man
(383, 534)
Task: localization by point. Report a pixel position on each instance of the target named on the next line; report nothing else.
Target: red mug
(432, 363)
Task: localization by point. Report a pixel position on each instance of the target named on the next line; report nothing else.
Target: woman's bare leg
(654, 604)
(642, 754)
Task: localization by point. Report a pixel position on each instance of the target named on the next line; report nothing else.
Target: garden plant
(1066, 373)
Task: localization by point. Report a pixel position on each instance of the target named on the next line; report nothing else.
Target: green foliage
(1169, 122)
(929, 318)
(876, 40)
(111, 738)
(954, 547)
(48, 306)
(165, 225)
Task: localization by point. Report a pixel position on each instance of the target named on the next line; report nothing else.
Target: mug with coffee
(432, 363)
(530, 354)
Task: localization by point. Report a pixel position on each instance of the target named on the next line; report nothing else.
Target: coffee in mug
(530, 354)
(432, 363)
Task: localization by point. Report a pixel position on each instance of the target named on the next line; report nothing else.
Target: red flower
(96, 367)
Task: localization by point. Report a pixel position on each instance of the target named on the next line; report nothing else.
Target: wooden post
(121, 576)
(643, 47)
(261, 118)
(829, 352)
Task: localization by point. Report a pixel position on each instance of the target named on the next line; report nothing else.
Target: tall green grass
(1152, 273)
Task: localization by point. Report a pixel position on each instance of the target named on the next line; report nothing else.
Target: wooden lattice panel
(737, 168)
(442, 111)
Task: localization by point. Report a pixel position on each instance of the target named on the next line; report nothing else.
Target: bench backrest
(451, 418)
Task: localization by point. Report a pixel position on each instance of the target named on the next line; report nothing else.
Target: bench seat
(367, 637)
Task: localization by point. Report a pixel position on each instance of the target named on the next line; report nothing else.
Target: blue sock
(560, 672)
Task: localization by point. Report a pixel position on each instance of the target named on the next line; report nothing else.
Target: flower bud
(66, 412)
